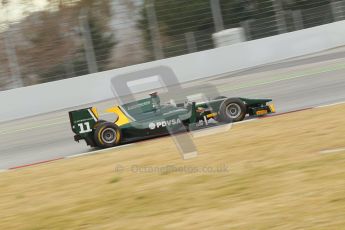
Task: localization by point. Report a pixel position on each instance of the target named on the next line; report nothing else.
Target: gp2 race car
(148, 118)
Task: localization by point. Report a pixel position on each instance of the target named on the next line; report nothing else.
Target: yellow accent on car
(118, 136)
(122, 118)
(99, 136)
(94, 111)
(211, 115)
(272, 108)
(261, 112)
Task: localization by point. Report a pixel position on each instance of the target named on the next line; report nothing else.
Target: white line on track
(337, 103)
(246, 121)
(34, 127)
(81, 154)
(38, 126)
(332, 151)
(98, 151)
(3, 170)
(210, 131)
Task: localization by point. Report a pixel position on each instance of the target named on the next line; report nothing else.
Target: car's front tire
(232, 110)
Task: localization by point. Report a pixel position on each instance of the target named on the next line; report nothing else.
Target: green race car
(148, 118)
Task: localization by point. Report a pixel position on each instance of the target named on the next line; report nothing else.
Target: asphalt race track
(293, 84)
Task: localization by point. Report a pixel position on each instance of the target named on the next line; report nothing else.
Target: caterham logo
(160, 124)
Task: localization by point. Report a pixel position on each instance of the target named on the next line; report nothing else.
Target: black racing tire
(98, 123)
(107, 135)
(232, 110)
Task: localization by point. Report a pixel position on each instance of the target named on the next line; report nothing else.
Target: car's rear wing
(83, 120)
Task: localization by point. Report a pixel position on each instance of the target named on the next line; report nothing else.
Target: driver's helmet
(156, 102)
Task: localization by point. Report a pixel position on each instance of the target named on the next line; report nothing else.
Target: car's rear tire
(99, 122)
(107, 135)
(232, 110)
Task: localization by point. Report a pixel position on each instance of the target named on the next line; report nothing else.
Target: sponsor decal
(152, 125)
(83, 120)
(160, 124)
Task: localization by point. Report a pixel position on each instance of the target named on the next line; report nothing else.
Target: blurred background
(49, 40)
